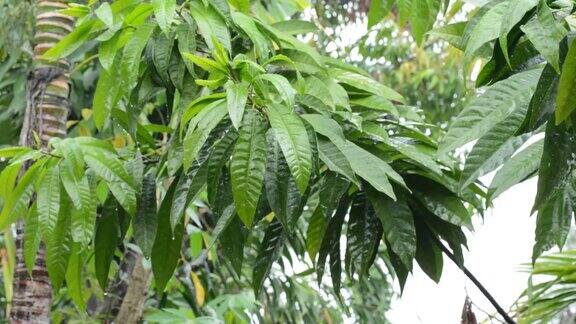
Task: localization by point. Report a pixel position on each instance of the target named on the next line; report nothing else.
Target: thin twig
(482, 289)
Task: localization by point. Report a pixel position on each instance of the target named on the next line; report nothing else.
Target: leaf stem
(482, 289)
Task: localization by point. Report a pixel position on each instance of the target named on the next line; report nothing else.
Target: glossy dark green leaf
(398, 225)
(553, 223)
(440, 201)
(428, 254)
(557, 162)
(315, 233)
(161, 54)
(545, 33)
(281, 190)
(335, 160)
(248, 166)
(491, 107)
(106, 239)
(516, 169)
(145, 221)
(567, 85)
(59, 244)
(131, 55)
(400, 269)
(219, 158)
(495, 148)
(516, 10)
(268, 252)
(543, 102)
(232, 241)
(332, 235)
(168, 242)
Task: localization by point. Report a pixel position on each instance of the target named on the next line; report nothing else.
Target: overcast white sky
(498, 247)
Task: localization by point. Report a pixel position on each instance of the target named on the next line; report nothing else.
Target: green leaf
(11, 151)
(378, 11)
(205, 63)
(281, 190)
(295, 26)
(74, 281)
(422, 18)
(71, 42)
(371, 168)
(48, 198)
(543, 101)
(106, 96)
(428, 254)
(145, 222)
(494, 148)
(513, 14)
(268, 252)
(108, 167)
(545, 33)
(248, 166)
(19, 198)
(556, 164)
(553, 223)
(165, 11)
(488, 109)
(210, 24)
(486, 28)
(293, 139)
(325, 126)
(315, 233)
(232, 241)
(84, 210)
(236, 97)
(249, 27)
(332, 235)
(281, 84)
(567, 86)
(32, 238)
(200, 128)
(365, 83)
(224, 221)
(131, 55)
(104, 13)
(440, 201)
(219, 158)
(106, 239)
(398, 225)
(516, 169)
(58, 243)
(335, 160)
(168, 242)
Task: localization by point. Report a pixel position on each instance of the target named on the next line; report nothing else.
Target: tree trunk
(46, 114)
(133, 304)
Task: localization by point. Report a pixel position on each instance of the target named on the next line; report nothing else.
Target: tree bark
(45, 117)
(133, 304)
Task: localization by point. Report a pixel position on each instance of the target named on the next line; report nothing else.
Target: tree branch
(482, 289)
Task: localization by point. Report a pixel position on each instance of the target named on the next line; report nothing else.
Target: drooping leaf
(106, 239)
(315, 233)
(131, 55)
(567, 85)
(48, 198)
(281, 190)
(164, 10)
(557, 162)
(280, 84)
(543, 101)
(145, 221)
(398, 225)
(331, 235)
(553, 223)
(545, 33)
(248, 166)
(293, 140)
(513, 14)
(519, 167)
(487, 27)
(378, 10)
(74, 279)
(491, 107)
(210, 24)
(494, 148)
(335, 160)
(268, 252)
(167, 243)
(32, 238)
(236, 96)
(370, 85)
(428, 254)
(58, 244)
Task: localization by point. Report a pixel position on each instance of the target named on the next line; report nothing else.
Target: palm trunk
(46, 114)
